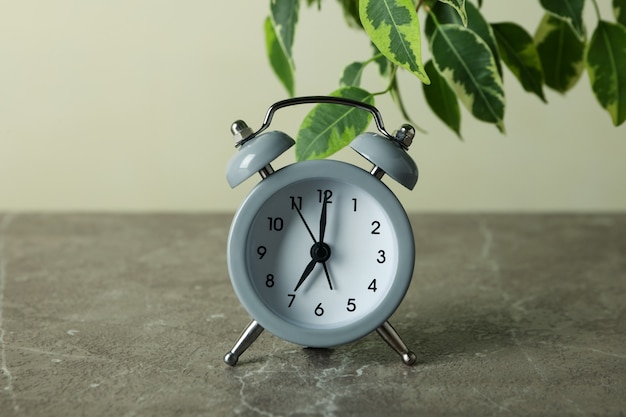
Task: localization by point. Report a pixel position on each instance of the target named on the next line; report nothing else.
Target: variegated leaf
(279, 60)
(606, 65)
(280, 28)
(394, 28)
(561, 53)
(569, 10)
(476, 22)
(284, 15)
(330, 127)
(467, 64)
(459, 6)
(619, 10)
(352, 75)
(442, 100)
(519, 53)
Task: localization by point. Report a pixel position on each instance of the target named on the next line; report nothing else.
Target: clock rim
(240, 278)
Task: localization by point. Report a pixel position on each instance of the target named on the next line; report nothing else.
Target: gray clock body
(364, 264)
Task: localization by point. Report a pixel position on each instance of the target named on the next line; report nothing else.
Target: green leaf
(330, 127)
(393, 27)
(519, 53)
(284, 15)
(459, 6)
(569, 10)
(280, 29)
(467, 64)
(352, 75)
(351, 12)
(476, 22)
(619, 10)
(561, 53)
(280, 62)
(606, 65)
(442, 100)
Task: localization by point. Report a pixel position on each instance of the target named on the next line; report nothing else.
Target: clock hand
(306, 273)
(305, 223)
(323, 219)
(330, 284)
(320, 252)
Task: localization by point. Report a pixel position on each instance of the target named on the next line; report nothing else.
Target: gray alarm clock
(321, 252)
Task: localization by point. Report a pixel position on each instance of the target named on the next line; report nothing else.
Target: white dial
(314, 280)
(321, 253)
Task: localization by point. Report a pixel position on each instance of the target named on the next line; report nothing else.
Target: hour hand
(306, 273)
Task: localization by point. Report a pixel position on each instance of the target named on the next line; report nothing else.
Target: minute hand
(323, 219)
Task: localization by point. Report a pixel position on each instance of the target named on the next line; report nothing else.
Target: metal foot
(248, 336)
(393, 339)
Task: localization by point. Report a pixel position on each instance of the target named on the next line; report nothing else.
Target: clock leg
(393, 339)
(248, 336)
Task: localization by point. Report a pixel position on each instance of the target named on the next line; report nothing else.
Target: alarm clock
(321, 252)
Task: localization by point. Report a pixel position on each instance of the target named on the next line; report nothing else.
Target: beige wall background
(126, 105)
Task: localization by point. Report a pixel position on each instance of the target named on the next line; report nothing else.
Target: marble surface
(130, 315)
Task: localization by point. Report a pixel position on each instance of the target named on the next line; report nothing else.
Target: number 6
(319, 311)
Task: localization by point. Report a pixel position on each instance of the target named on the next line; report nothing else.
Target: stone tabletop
(131, 315)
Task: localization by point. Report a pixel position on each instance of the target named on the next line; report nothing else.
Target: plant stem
(392, 79)
(597, 8)
(372, 59)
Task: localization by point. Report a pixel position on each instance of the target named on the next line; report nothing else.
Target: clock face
(352, 268)
(323, 254)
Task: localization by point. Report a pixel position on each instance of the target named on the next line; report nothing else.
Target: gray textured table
(130, 315)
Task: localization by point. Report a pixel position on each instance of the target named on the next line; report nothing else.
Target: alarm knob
(255, 152)
(389, 154)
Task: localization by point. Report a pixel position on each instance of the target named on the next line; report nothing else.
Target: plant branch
(419, 4)
(372, 59)
(390, 86)
(434, 17)
(597, 8)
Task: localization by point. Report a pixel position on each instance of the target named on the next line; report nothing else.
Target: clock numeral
(354, 204)
(381, 257)
(276, 223)
(324, 195)
(293, 297)
(296, 202)
(351, 305)
(319, 311)
(261, 251)
(269, 281)
(376, 225)
(372, 286)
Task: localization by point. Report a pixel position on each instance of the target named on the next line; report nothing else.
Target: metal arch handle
(326, 100)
